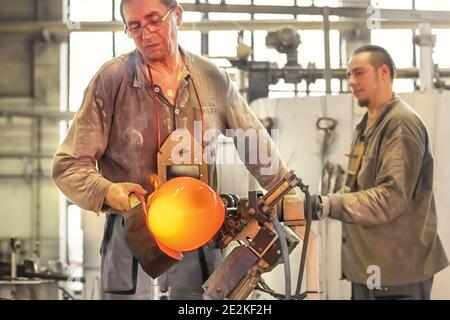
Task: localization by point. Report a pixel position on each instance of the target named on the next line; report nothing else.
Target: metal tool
(251, 221)
(141, 241)
(14, 246)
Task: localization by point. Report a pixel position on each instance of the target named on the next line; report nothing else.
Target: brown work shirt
(113, 137)
(389, 211)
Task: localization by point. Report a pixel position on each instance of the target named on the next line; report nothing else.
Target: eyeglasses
(152, 22)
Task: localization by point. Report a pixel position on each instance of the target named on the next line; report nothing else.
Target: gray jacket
(115, 130)
(390, 213)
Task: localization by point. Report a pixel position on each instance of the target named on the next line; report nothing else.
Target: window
(442, 48)
(432, 5)
(90, 50)
(190, 41)
(389, 4)
(88, 10)
(273, 3)
(398, 43)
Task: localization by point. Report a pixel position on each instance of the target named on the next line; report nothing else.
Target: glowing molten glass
(184, 214)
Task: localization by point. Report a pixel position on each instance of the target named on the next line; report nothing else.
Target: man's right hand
(118, 193)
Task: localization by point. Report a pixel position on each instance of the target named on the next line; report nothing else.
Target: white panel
(231, 172)
(432, 107)
(298, 144)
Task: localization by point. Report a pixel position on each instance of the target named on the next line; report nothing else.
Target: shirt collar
(138, 73)
(388, 107)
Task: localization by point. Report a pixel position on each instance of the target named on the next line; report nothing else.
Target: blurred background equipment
(23, 279)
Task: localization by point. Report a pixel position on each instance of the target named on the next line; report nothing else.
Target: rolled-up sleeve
(74, 165)
(401, 157)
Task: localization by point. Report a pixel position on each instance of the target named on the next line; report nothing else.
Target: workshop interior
(288, 59)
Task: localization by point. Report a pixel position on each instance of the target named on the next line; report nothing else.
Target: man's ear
(179, 13)
(385, 72)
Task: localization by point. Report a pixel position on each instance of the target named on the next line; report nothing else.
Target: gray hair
(167, 3)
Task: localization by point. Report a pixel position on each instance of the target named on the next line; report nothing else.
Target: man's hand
(117, 196)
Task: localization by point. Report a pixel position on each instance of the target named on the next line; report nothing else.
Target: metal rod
(14, 245)
(155, 292)
(23, 176)
(58, 27)
(204, 43)
(33, 113)
(34, 182)
(349, 12)
(326, 37)
(13, 265)
(409, 73)
(21, 155)
(39, 172)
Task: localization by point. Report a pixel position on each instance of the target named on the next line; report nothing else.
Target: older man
(130, 108)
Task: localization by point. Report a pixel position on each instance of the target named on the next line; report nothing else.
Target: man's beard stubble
(363, 102)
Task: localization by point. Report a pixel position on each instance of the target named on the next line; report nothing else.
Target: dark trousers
(414, 291)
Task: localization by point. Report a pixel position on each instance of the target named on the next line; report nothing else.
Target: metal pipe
(34, 182)
(326, 37)
(38, 179)
(426, 42)
(349, 12)
(408, 73)
(21, 155)
(59, 28)
(23, 176)
(14, 245)
(32, 113)
(155, 292)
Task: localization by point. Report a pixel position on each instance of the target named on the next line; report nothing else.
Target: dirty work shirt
(390, 212)
(113, 138)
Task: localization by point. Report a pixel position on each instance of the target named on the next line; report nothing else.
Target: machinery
(255, 223)
(25, 280)
(286, 40)
(266, 243)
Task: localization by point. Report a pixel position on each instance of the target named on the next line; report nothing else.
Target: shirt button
(344, 239)
(177, 111)
(157, 89)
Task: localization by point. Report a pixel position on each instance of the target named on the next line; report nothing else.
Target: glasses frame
(139, 30)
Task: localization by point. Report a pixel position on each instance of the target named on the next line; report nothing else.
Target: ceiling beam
(347, 12)
(55, 27)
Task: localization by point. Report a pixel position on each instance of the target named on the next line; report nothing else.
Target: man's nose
(146, 32)
(351, 81)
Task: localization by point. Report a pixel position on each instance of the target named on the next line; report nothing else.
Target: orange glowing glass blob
(184, 214)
